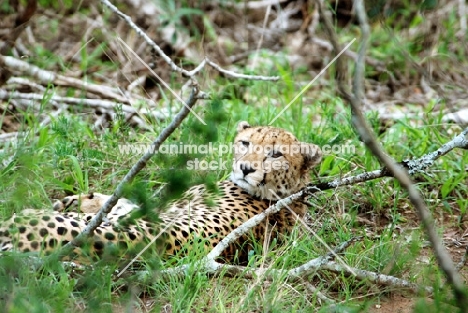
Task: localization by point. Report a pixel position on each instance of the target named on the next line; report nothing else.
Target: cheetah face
(270, 162)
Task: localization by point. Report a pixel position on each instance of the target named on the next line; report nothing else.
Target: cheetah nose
(247, 169)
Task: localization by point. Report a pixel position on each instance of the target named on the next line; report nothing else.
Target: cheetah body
(259, 178)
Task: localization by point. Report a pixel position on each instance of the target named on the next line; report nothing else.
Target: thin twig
(168, 60)
(253, 5)
(147, 39)
(238, 75)
(262, 34)
(378, 65)
(306, 267)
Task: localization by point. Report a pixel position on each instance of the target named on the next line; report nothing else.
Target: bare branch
(252, 222)
(314, 266)
(412, 166)
(48, 77)
(306, 267)
(147, 39)
(376, 278)
(459, 141)
(254, 4)
(364, 131)
(237, 75)
(168, 60)
(92, 103)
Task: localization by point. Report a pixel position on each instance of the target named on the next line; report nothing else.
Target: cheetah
(269, 164)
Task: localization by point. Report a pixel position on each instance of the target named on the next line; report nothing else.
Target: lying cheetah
(269, 163)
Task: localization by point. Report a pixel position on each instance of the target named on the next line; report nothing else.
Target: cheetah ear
(312, 155)
(242, 125)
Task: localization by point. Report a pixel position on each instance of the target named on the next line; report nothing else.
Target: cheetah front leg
(92, 203)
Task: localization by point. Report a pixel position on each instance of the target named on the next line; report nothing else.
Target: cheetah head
(270, 162)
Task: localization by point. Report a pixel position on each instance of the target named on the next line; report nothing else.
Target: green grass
(68, 156)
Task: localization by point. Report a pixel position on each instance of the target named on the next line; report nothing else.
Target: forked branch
(397, 171)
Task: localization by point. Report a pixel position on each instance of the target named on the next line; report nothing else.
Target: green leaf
(80, 177)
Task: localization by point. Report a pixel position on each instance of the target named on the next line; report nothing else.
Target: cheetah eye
(245, 143)
(275, 154)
